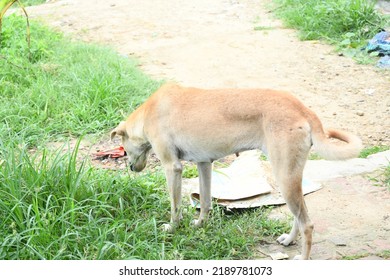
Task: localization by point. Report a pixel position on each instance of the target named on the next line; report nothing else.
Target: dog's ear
(120, 130)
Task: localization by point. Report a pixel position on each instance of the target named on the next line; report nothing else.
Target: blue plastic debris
(381, 43)
(384, 62)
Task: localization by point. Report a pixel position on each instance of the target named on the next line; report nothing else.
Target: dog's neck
(137, 129)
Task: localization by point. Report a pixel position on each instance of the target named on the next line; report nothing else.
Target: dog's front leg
(173, 173)
(204, 170)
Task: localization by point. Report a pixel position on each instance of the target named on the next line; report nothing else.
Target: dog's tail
(334, 144)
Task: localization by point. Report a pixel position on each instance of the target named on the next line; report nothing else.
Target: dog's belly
(200, 156)
(208, 151)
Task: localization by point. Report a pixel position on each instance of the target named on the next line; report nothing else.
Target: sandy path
(213, 44)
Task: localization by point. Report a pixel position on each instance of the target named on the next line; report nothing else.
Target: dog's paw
(285, 240)
(168, 228)
(197, 223)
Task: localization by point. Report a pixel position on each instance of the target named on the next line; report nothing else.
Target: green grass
(386, 177)
(68, 89)
(373, 150)
(54, 205)
(190, 171)
(32, 2)
(384, 255)
(382, 177)
(346, 23)
(51, 208)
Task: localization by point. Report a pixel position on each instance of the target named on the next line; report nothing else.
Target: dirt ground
(214, 44)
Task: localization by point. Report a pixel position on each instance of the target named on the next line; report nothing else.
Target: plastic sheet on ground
(381, 43)
(244, 184)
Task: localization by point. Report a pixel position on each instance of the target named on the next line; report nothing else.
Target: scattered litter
(112, 153)
(381, 43)
(244, 184)
(278, 256)
(384, 62)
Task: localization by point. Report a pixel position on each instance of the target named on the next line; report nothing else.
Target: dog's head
(136, 147)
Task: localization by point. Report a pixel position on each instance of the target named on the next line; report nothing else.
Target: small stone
(360, 113)
(338, 241)
(278, 256)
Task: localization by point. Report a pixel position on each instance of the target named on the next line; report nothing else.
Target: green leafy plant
(54, 206)
(4, 6)
(67, 89)
(347, 23)
(190, 171)
(373, 150)
(382, 177)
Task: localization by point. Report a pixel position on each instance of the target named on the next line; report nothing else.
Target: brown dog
(204, 125)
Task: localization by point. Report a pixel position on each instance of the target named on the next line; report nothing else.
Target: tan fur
(204, 125)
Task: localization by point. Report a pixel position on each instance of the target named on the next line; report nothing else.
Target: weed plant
(348, 23)
(373, 150)
(68, 89)
(54, 207)
(32, 2)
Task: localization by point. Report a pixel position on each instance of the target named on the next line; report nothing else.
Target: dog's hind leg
(291, 188)
(287, 164)
(301, 224)
(204, 170)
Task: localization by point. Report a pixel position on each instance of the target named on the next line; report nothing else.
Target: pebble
(278, 256)
(360, 113)
(338, 241)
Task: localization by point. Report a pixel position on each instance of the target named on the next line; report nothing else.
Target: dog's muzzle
(132, 168)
